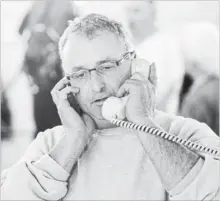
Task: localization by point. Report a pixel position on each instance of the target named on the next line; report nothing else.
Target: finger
(74, 90)
(128, 87)
(56, 94)
(62, 84)
(137, 76)
(63, 99)
(63, 94)
(153, 74)
(123, 90)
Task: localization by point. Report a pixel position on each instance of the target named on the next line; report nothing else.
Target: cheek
(84, 98)
(115, 81)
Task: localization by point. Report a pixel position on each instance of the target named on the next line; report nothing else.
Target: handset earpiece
(74, 104)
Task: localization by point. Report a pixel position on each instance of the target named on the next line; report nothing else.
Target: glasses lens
(80, 75)
(107, 67)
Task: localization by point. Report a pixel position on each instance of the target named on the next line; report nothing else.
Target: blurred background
(181, 37)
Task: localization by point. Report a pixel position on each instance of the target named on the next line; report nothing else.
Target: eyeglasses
(103, 69)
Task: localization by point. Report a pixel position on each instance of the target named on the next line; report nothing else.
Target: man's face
(83, 53)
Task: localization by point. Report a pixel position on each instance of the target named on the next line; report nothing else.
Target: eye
(107, 67)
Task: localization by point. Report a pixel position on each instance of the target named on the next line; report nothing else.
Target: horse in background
(5, 117)
(41, 28)
(201, 102)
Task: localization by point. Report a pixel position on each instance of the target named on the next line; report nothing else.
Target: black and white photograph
(110, 100)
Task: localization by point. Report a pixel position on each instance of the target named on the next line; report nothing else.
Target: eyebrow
(105, 60)
(76, 68)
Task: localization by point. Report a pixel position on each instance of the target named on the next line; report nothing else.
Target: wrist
(75, 138)
(148, 140)
(159, 120)
(75, 133)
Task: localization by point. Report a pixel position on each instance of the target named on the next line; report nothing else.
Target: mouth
(100, 101)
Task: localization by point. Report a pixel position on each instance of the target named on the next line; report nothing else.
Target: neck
(103, 124)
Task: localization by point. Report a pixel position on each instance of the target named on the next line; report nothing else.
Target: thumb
(153, 74)
(121, 92)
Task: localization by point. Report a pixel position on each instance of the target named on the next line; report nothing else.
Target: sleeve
(205, 186)
(202, 182)
(36, 176)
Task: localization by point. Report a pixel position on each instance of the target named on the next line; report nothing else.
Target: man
(87, 158)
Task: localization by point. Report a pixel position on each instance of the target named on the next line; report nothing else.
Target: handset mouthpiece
(114, 108)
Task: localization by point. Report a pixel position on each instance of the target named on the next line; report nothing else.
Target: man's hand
(141, 94)
(71, 120)
(78, 128)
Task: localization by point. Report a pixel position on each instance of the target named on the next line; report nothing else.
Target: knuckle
(52, 91)
(53, 98)
(63, 96)
(59, 109)
(61, 105)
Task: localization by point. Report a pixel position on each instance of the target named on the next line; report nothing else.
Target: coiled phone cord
(155, 131)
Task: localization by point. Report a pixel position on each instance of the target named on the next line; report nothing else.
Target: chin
(96, 113)
(101, 123)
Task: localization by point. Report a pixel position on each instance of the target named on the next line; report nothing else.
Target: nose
(97, 82)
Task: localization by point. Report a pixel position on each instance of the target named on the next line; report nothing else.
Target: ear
(153, 74)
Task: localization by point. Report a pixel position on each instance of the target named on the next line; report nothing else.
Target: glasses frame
(128, 55)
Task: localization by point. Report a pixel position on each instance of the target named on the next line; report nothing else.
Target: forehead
(81, 51)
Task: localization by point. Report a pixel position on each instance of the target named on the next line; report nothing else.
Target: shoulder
(193, 130)
(186, 128)
(43, 143)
